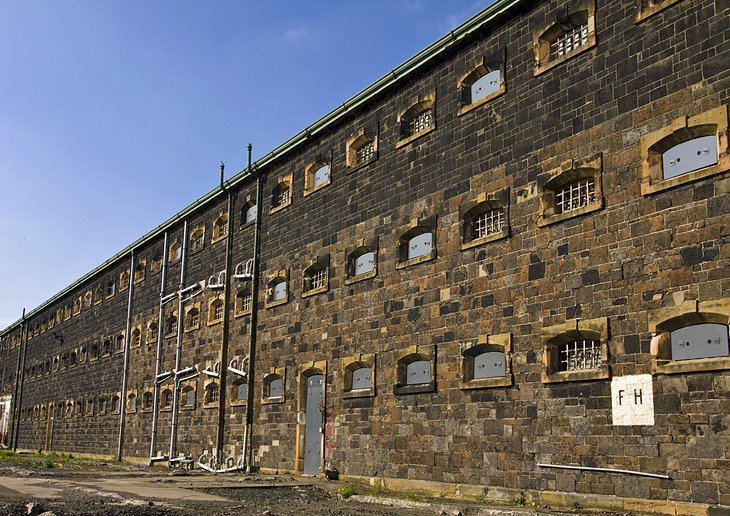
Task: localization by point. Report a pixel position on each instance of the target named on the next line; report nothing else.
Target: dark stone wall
(634, 255)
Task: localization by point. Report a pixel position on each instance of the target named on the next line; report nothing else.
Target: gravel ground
(82, 495)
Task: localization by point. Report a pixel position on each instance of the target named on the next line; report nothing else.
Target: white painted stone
(632, 399)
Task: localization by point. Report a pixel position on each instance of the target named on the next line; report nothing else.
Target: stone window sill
(359, 393)
(642, 13)
(648, 188)
(408, 139)
(272, 304)
(314, 291)
(697, 365)
(272, 401)
(465, 108)
(241, 314)
(416, 261)
(274, 209)
(559, 217)
(310, 191)
(361, 277)
(358, 166)
(580, 375)
(545, 66)
(484, 240)
(415, 389)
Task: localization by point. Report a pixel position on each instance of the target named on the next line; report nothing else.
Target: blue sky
(115, 114)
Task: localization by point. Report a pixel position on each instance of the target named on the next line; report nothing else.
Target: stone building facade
(503, 269)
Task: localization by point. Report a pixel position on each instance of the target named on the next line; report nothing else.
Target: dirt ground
(34, 485)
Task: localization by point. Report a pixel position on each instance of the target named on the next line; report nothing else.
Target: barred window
(365, 153)
(319, 279)
(576, 195)
(488, 223)
(580, 354)
(421, 122)
(570, 41)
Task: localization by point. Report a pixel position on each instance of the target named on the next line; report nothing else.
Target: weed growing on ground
(347, 491)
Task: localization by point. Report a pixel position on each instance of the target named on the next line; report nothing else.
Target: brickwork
(600, 271)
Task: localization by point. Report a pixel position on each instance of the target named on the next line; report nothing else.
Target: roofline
(476, 22)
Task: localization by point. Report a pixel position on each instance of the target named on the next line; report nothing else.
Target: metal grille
(421, 122)
(366, 152)
(580, 354)
(319, 279)
(218, 311)
(282, 196)
(194, 318)
(488, 223)
(576, 195)
(570, 41)
(198, 240)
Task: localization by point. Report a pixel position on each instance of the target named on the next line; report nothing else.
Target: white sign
(632, 399)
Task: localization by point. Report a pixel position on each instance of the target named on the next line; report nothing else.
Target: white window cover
(420, 245)
(700, 341)
(490, 364)
(689, 156)
(485, 86)
(365, 263)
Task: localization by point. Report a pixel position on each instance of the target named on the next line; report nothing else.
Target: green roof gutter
(415, 63)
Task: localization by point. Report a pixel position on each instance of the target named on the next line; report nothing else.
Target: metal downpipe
(223, 370)
(178, 350)
(248, 428)
(125, 369)
(15, 412)
(158, 359)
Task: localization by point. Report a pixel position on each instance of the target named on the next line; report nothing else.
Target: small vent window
(700, 341)
(418, 372)
(689, 156)
(420, 245)
(580, 354)
(365, 263)
(485, 86)
(362, 378)
(242, 391)
(490, 364)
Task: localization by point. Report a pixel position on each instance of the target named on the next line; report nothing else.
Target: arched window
(248, 211)
(147, 400)
(171, 325)
(124, 280)
(119, 346)
(187, 399)
(139, 270)
(215, 311)
(212, 393)
(175, 252)
(482, 83)
(192, 319)
(691, 148)
(419, 119)
(152, 332)
(362, 148)
(362, 260)
(244, 301)
(571, 190)
(197, 239)
(132, 402)
(277, 291)
(136, 337)
(416, 243)
(315, 278)
(281, 194)
(485, 219)
(316, 175)
(415, 370)
(220, 228)
(691, 337)
(576, 351)
(565, 37)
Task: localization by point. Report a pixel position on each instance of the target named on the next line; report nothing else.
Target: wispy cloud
(298, 35)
